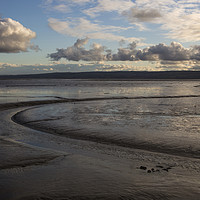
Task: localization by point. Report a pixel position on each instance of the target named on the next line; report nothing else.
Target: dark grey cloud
(80, 43)
(142, 15)
(14, 37)
(195, 52)
(174, 52)
(161, 52)
(78, 52)
(97, 53)
(124, 54)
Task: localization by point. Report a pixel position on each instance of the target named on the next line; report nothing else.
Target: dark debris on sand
(156, 169)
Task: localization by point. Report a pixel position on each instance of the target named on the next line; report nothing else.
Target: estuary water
(36, 89)
(159, 119)
(156, 115)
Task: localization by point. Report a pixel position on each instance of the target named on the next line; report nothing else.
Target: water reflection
(25, 90)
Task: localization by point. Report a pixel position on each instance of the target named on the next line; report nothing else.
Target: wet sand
(15, 154)
(39, 165)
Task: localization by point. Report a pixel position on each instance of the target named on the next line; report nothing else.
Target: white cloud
(4, 65)
(178, 20)
(81, 28)
(6, 68)
(179, 65)
(109, 6)
(14, 37)
(182, 27)
(81, 1)
(62, 8)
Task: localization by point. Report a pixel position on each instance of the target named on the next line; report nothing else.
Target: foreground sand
(38, 165)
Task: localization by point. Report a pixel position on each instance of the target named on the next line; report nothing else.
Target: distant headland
(116, 75)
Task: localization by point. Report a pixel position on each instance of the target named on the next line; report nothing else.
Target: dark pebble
(149, 171)
(165, 170)
(169, 168)
(143, 167)
(159, 166)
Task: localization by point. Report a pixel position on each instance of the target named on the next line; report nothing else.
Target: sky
(40, 36)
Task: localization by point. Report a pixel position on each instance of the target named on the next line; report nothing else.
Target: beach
(73, 139)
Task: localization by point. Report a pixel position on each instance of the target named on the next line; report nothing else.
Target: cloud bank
(161, 52)
(8, 69)
(14, 37)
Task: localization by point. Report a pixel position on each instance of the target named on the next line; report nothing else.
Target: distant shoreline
(117, 75)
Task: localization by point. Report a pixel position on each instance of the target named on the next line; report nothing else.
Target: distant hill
(119, 75)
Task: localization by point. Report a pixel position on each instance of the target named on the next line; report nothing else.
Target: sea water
(36, 89)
